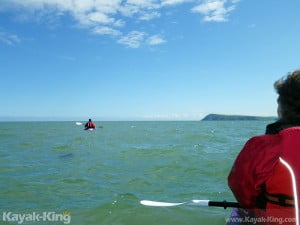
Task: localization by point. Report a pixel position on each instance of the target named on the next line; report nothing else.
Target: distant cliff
(217, 117)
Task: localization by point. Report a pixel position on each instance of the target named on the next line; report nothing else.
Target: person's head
(288, 89)
(90, 120)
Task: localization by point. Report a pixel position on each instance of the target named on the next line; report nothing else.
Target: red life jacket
(261, 171)
(90, 125)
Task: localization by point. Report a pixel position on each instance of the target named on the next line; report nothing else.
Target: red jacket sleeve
(252, 167)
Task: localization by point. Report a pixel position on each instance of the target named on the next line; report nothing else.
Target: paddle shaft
(224, 204)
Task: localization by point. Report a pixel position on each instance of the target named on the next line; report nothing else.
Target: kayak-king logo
(20, 218)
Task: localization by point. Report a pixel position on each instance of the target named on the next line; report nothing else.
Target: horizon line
(108, 119)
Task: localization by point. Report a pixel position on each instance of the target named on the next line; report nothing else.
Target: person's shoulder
(263, 141)
(264, 137)
(260, 148)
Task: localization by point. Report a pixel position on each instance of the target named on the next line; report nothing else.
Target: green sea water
(100, 176)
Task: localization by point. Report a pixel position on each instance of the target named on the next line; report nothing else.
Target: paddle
(79, 124)
(223, 204)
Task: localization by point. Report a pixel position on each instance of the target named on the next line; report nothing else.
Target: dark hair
(288, 89)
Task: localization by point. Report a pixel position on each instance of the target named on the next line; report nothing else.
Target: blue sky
(144, 59)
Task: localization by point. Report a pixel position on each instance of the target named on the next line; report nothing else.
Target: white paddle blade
(160, 204)
(78, 123)
(199, 202)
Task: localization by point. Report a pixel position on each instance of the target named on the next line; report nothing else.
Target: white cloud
(81, 10)
(144, 3)
(133, 39)
(129, 10)
(103, 30)
(155, 40)
(109, 17)
(9, 39)
(99, 17)
(141, 9)
(174, 2)
(149, 15)
(119, 23)
(215, 10)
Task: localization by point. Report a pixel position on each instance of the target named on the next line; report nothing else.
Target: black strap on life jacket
(280, 199)
(277, 199)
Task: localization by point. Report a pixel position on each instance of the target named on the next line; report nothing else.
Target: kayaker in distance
(267, 170)
(90, 125)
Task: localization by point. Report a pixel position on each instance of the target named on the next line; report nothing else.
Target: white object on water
(78, 123)
(166, 204)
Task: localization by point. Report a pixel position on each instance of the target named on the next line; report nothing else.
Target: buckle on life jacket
(280, 199)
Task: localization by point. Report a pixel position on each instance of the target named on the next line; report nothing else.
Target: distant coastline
(218, 117)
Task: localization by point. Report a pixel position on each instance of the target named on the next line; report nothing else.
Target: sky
(144, 59)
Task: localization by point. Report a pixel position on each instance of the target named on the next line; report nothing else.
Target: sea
(57, 173)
